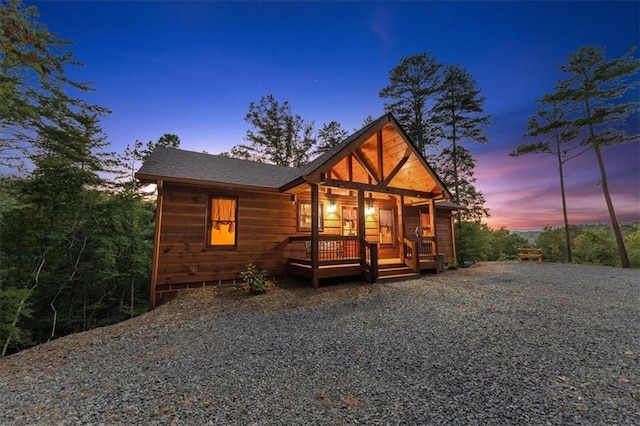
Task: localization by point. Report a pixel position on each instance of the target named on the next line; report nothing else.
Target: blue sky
(191, 68)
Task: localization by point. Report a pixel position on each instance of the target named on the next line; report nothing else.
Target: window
(349, 221)
(222, 221)
(304, 216)
(386, 226)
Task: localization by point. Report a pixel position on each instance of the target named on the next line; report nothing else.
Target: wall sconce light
(370, 209)
(293, 199)
(332, 207)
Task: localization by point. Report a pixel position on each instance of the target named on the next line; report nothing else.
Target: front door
(387, 233)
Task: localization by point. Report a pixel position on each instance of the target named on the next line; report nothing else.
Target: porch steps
(395, 272)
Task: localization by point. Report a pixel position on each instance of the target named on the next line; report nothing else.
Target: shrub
(256, 279)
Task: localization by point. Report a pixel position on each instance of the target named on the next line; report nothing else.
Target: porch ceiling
(376, 161)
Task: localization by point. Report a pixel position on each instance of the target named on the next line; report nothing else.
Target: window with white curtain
(223, 221)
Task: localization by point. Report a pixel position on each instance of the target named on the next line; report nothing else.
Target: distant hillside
(532, 235)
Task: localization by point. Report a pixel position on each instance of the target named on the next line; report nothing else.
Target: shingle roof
(180, 164)
(450, 205)
(167, 163)
(177, 163)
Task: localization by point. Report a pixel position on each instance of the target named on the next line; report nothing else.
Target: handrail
(411, 255)
(369, 260)
(332, 249)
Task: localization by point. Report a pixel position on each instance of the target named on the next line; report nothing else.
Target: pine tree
(413, 84)
(277, 135)
(595, 86)
(468, 196)
(457, 113)
(554, 136)
(329, 135)
(34, 87)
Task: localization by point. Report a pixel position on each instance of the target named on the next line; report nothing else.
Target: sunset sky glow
(192, 68)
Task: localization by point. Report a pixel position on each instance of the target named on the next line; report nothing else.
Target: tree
(330, 135)
(551, 125)
(168, 140)
(412, 84)
(277, 137)
(34, 87)
(467, 195)
(595, 86)
(472, 243)
(503, 245)
(457, 114)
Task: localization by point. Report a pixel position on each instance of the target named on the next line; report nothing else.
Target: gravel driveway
(498, 343)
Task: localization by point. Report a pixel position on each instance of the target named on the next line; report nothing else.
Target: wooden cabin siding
(444, 235)
(265, 222)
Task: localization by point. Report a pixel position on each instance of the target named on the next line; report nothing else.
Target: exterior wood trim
(314, 235)
(376, 188)
(206, 184)
(453, 239)
(156, 244)
(362, 232)
(364, 162)
(380, 157)
(396, 169)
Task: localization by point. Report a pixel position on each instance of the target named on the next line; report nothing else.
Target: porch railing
(337, 250)
(415, 251)
(427, 247)
(370, 262)
(332, 249)
(411, 255)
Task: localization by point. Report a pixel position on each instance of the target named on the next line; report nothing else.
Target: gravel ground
(498, 343)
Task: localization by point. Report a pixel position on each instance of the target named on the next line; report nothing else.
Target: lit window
(222, 221)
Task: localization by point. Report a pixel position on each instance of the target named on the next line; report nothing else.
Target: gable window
(223, 217)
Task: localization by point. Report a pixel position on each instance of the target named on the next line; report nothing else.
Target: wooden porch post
(314, 235)
(361, 223)
(401, 228)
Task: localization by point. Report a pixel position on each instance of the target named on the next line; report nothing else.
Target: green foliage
(330, 135)
(632, 240)
(256, 279)
(472, 242)
(74, 255)
(436, 103)
(458, 110)
(468, 195)
(592, 244)
(553, 244)
(503, 245)
(35, 102)
(595, 247)
(13, 308)
(168, 140)
(595, 90)
(413, 85)
(277, 135)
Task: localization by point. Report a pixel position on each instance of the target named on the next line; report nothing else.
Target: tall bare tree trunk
(567, 232)
(624, 258)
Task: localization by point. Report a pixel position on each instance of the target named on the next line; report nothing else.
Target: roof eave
(145, 178)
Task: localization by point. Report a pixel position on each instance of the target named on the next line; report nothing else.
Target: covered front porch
(367, 203)
(367, 234)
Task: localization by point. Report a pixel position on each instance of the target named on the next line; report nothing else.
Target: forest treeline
(592, 244)
(77, 229)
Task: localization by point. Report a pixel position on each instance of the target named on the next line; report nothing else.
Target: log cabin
(370, 207)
